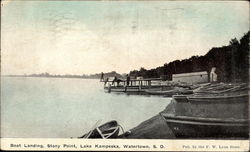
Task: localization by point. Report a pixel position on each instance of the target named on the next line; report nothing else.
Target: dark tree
(231, 62)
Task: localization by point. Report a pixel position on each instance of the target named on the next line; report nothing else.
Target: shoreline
(152, 128)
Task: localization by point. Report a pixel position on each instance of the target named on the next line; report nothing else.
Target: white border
(119, 144)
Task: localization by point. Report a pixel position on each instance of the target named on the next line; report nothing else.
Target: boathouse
(193, 77)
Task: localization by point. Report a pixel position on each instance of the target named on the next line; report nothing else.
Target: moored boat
(132, 85)
(200, 127)
(108, 130)
(132, 89)
(205, 114)
(170, 91)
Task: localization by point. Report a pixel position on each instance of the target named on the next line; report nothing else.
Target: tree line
(231, 62)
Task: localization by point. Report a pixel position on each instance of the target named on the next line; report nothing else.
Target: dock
(132, 86)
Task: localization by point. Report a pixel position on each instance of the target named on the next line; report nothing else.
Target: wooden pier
(132, 86)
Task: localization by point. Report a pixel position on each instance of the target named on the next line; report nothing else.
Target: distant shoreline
(47, 76)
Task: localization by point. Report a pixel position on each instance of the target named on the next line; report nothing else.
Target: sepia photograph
(125, 75)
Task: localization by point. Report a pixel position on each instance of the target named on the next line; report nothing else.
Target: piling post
(109, 88)
(149, 83)
(140, 85)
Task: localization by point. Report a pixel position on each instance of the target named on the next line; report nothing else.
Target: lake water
(63, 108)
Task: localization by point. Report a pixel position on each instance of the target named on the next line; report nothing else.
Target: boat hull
(190, 127)
(168, 93)
(208, 116)
(96, 134)
(108, 130)
(212, 107)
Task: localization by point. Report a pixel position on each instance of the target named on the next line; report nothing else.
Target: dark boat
(108, 130)
(169, 92)
(165, 92)
(210, 114)
(199, 127)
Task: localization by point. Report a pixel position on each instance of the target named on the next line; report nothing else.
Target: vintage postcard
(124, 75)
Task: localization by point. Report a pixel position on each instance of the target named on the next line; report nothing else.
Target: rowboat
(222, 88)
(169, 92)
(108, 130)
(210, 114)
(165, 93)
(235, 106)
(200, 127)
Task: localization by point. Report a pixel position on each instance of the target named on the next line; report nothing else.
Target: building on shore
(193, 77)
(196, 77)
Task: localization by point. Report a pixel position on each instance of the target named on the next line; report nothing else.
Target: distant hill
(231, 61)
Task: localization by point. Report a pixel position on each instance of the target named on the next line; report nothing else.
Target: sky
(87, 37)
